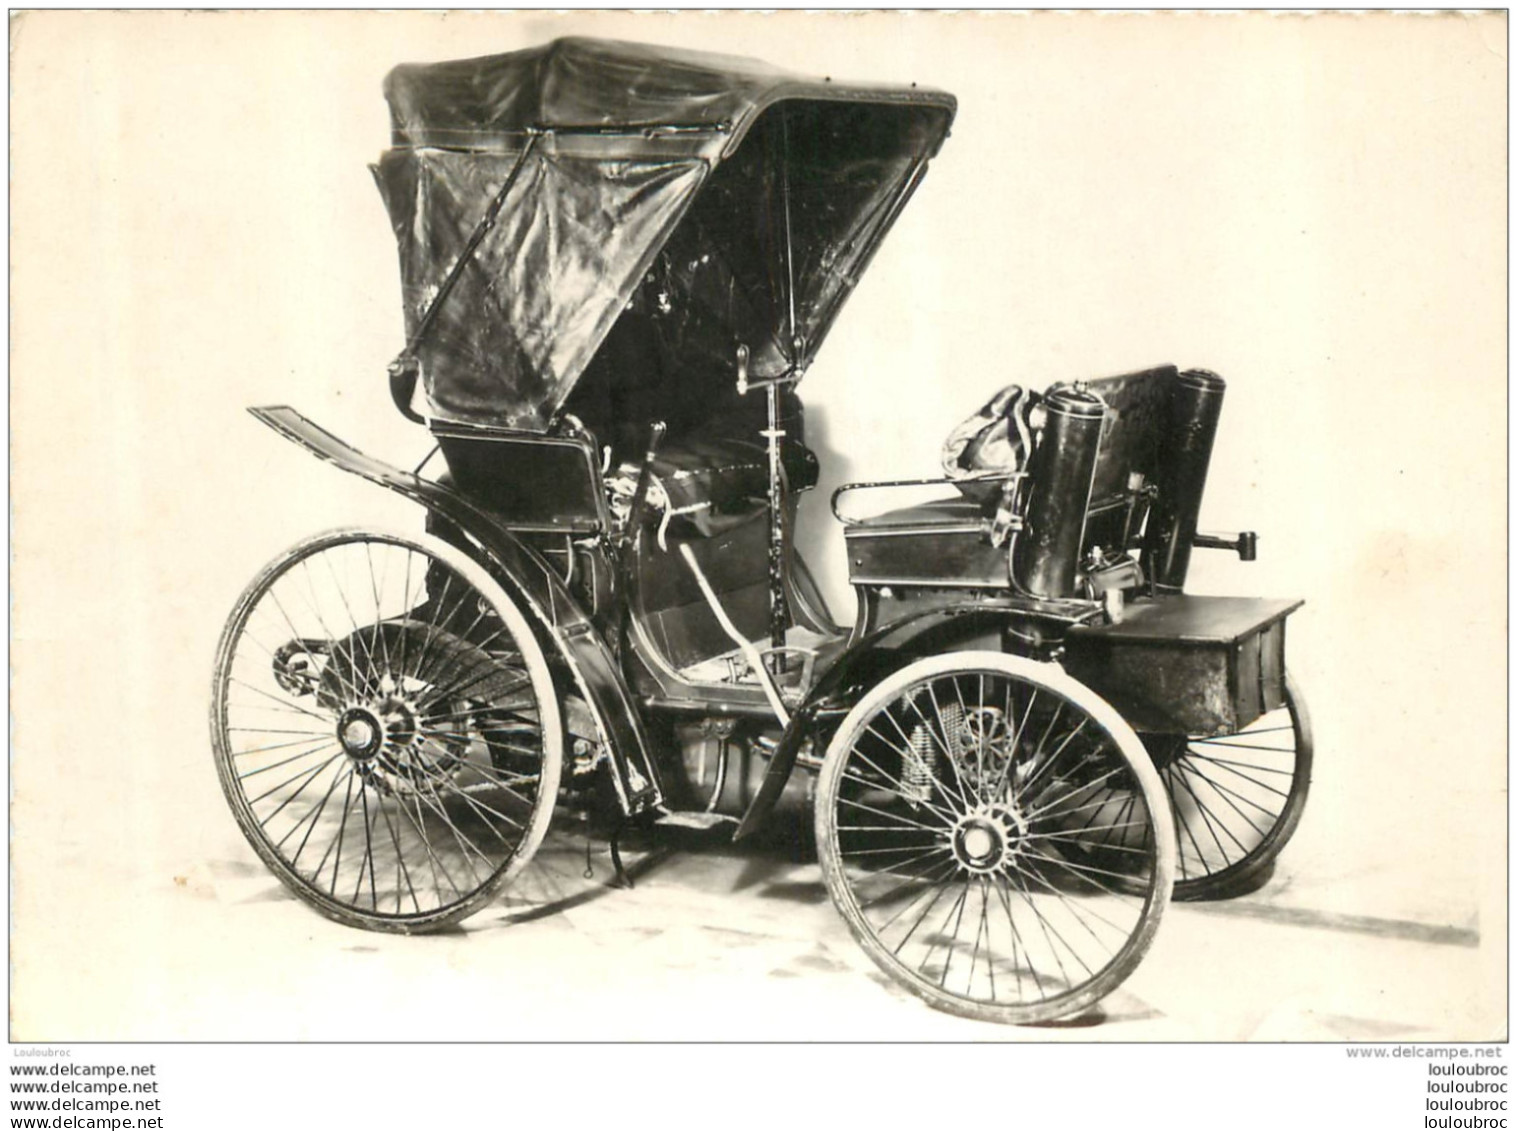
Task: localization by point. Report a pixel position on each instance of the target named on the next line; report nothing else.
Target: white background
(1313, 207)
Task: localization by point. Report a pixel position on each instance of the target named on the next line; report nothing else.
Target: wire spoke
(946, 743)
(434, 862)
(1002, 888)
(314, 736)
(313, 752)
(1084, 871)
(1184, 824)
(434, 622)
(1206, 819)
(901, 786)
(906, 754)
(375, 584)
(1240, 745)
(296, 634)
(919, 850)
(463, 841)
(274, 730)
(401, 871)
(938, 890)
(338, 649)
(287, 781)
(957, 923)
(368, 855)
(1194, 755)
(938, 740)
(325, 719)
(983, 928)
(890, 816)
(1193, 761)
(1079, 915)
(1043, 925)
(483, 670)
(931, 881)
(1032, 814)
(314, 817)
(911, 880)
(342, 828)
(1227, 794)
(1015, 742)
(1076, 838)
(478, 806)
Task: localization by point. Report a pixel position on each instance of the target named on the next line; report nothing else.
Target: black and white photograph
(733, 527)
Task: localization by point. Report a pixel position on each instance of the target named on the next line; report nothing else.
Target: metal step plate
(693, 820)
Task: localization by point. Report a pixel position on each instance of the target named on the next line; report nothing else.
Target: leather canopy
(718, 200)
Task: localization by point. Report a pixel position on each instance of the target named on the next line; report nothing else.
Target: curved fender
(526, 577)
(866, 662)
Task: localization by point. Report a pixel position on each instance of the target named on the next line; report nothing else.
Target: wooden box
(1187, 664)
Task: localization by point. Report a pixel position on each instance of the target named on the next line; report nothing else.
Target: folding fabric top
(699, 202)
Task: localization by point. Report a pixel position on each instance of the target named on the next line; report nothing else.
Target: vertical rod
(793, 346)
(778, 614)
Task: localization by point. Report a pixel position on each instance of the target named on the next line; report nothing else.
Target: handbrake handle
(1246, 544)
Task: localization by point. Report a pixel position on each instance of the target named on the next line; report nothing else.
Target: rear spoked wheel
(1237, 798)
(967, 836)
(386, 729)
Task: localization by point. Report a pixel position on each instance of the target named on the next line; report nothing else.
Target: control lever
(656, 432)
(1246, 544)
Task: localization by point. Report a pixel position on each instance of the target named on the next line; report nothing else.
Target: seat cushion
(952, 512)
(943, 542)
(704, 478)
(724, 473)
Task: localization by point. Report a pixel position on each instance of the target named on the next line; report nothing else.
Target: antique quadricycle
(618, 262)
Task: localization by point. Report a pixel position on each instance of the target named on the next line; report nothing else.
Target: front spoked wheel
(386, 729)
(965, 834)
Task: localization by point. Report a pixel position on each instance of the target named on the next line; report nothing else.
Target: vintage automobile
(618, 262)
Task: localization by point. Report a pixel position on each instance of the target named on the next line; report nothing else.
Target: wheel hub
(987, 839)
(360, 732)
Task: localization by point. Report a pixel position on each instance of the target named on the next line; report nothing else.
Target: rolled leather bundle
(995, 439)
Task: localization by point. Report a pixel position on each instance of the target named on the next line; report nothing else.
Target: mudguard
(527, 578)
(888, 649)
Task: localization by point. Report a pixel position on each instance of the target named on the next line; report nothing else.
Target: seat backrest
(539, 483)
(1132, 440)
(1137, 406)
